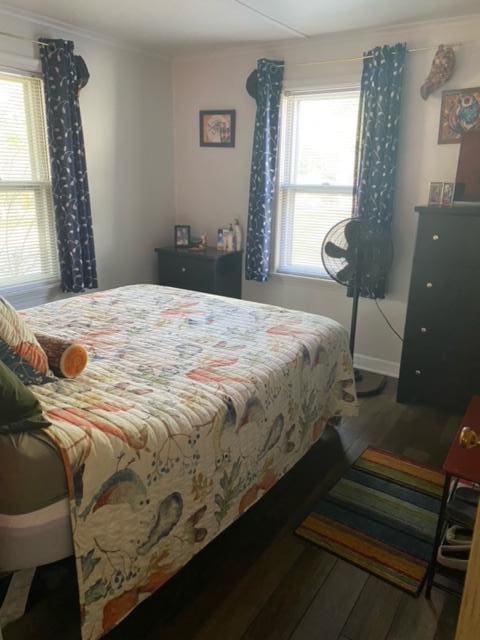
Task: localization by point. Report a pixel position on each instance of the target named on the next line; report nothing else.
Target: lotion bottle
(237, 235)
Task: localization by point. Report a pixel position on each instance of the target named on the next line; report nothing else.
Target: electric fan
(354, 253)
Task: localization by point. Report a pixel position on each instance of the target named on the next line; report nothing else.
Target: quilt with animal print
(191, 408)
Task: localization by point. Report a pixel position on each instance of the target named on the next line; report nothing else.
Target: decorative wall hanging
(217, 128)
(460, 112)
(443, 66)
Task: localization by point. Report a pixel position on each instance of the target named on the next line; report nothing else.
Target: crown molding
(272, 47)
(95, 36)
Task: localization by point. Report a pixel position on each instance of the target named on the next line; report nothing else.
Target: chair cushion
(19, 349)
(21, 411)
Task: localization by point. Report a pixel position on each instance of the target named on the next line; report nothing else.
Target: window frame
(31, 290)
(304, 188)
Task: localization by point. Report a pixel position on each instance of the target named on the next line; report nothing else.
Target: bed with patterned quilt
(192, 407)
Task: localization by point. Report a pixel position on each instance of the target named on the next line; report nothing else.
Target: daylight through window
(316, 169)
(27, 235)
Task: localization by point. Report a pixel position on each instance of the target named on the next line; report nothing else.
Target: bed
(192, 407)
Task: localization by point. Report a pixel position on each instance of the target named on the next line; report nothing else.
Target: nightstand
(209, 271)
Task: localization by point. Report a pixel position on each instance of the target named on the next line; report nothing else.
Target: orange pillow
(66, 358)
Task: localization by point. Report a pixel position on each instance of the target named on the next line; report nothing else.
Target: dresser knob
(184, 269)
(435, 236)
(418, 372)
(429, 285)
(423, 329)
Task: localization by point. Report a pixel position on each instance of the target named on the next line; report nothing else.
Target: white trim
(278, 48)
(52, 23)
(297, 276)
(377, 365)
(19, 65)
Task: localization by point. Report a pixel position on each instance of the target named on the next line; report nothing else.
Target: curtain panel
(73, 217)
(263, 171)
(377, 144)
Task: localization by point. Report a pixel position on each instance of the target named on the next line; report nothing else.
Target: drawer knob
(435, 236)
(423, 329)
(429, 285)
(184, 269)
(418, 372)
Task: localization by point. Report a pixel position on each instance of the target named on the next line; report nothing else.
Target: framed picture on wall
(217, 128)
(459, 113)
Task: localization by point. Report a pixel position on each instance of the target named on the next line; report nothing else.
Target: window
(27, 234)
(317, 157)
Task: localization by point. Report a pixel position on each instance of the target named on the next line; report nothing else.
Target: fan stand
(367, 383)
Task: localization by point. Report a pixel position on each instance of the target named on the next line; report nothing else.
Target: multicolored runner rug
(381, 516)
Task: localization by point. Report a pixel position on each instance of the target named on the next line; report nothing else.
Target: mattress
(32, 474)
(192, 407)
(34, 507)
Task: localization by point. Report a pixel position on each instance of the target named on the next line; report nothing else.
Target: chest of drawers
(441, 351)
(209, 271)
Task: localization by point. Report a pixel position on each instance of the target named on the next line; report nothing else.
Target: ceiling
(171, 26)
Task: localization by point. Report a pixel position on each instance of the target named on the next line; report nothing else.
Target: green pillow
(19, 408)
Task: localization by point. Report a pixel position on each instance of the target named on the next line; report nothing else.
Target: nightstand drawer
(185, 272)
(208, 271)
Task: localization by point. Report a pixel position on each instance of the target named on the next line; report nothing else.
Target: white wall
(212, 184)
(127, 117)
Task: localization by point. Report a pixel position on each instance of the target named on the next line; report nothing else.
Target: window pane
(313, 215)
(325, 147)
(27, 235)
(15, 156)
(317, 158)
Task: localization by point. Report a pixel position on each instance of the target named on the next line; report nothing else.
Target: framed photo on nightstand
(182, 236)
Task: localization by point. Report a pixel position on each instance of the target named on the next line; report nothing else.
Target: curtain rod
(417, 50)
(298, 64)
(13, 35)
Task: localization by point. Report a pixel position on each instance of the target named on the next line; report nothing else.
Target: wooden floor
(258, 581)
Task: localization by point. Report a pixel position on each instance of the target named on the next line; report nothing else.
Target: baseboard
(385, 367)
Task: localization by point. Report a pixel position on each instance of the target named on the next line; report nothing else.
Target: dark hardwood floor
(258, 581)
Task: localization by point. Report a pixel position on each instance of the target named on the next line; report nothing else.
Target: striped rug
(381, 516)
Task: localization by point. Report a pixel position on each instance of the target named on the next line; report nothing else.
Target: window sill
(23, 296)
(296, 276)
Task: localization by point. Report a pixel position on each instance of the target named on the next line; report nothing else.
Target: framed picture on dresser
(435, 193)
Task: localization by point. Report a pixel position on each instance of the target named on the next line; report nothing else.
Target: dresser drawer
(442, 380)
(437, 288)
(448, 240)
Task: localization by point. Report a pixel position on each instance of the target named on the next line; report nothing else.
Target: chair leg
(438, 538)
(15, 602)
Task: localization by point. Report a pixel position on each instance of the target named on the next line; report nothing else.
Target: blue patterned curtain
(264, 161)
(376, 161)
(71, 198)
